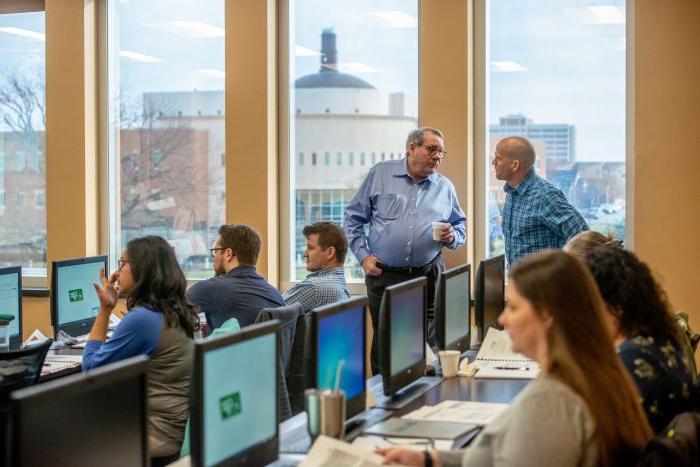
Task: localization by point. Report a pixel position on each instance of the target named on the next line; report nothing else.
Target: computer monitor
(11, 301)
(338, 333)
(234, 398)
(74, 302)
(402, 332)
(92, 418)
(489, 297)
(453, 313)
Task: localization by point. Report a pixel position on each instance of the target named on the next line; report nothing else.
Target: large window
(22, 137)
(167, 133)
(555, 74)
(352, 100)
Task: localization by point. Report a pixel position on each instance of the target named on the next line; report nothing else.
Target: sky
(555, 61)
(570, 69)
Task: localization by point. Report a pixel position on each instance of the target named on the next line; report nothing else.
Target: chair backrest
(21, 368)
(689, 339)
(296, 376)
(677, 445)
(288, 316)
(18, 369)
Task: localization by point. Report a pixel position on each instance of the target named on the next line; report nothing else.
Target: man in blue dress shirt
(399, 200)
(536, 215)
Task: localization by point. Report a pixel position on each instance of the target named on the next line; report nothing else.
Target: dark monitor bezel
(81, 324)
(479, 294)
(262, 453)
(357, 404)
(462, 342)
(15, 343)
(394, 382)
(77, 384)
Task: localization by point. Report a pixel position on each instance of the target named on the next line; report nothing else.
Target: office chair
(21, 368)
(677, 445)
(292, 355)
(18, 369)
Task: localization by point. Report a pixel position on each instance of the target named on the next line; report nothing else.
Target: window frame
(286, 113)
(107, 135)
(32, 282)
(481, 140)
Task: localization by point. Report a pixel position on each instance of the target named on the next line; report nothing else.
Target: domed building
(343, 125)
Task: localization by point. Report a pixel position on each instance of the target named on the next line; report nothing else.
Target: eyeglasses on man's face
(215, 249)
(121, 262)
(220, 248)
(435, 150)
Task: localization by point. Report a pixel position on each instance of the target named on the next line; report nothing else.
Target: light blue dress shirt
(400, 213)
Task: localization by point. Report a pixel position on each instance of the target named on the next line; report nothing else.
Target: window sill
(35, 292)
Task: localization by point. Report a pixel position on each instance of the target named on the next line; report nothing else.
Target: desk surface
(65, 372)
(465, 389)
(458, 388)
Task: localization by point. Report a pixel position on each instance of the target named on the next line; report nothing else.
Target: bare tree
(162, 157)
(22, 106)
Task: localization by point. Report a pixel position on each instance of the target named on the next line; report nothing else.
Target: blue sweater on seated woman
(145, 332)
(137, 334)
(662, 375)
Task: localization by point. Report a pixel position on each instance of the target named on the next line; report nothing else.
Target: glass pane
(556, 75)
(167, 141)
(22, 138)
(354, 91)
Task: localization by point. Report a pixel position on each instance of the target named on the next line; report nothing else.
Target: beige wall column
(71, 155)
(444, 95)
(71, 152)
(667, 146)
(251, 124)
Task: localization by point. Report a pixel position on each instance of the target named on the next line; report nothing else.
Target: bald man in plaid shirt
(536, 215)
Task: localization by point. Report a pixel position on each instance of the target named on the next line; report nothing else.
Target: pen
(418, 442)
(522, 368)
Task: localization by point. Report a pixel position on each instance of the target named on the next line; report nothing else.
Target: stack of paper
(328, 451)
(465, 412)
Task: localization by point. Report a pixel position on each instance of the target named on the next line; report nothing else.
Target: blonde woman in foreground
(583, 409)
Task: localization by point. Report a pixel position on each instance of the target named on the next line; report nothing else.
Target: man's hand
(369, 265)
(447, 235)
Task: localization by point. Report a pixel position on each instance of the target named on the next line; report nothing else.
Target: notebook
(466, 413)
(496, 359)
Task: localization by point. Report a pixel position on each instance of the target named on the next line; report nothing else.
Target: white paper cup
(438, 227)
(449, 361)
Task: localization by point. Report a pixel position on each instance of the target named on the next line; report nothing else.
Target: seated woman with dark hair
(645, 333)
(583, 409)
(160, 323)
(585, 241)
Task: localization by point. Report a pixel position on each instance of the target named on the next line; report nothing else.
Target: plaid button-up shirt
(319, 288)
(537, 216)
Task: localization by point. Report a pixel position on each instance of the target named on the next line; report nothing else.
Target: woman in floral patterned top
(646, 336)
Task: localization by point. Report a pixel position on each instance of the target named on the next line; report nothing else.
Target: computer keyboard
(56, 363)
(366, 419)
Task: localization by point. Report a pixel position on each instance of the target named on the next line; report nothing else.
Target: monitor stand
(408, 393)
